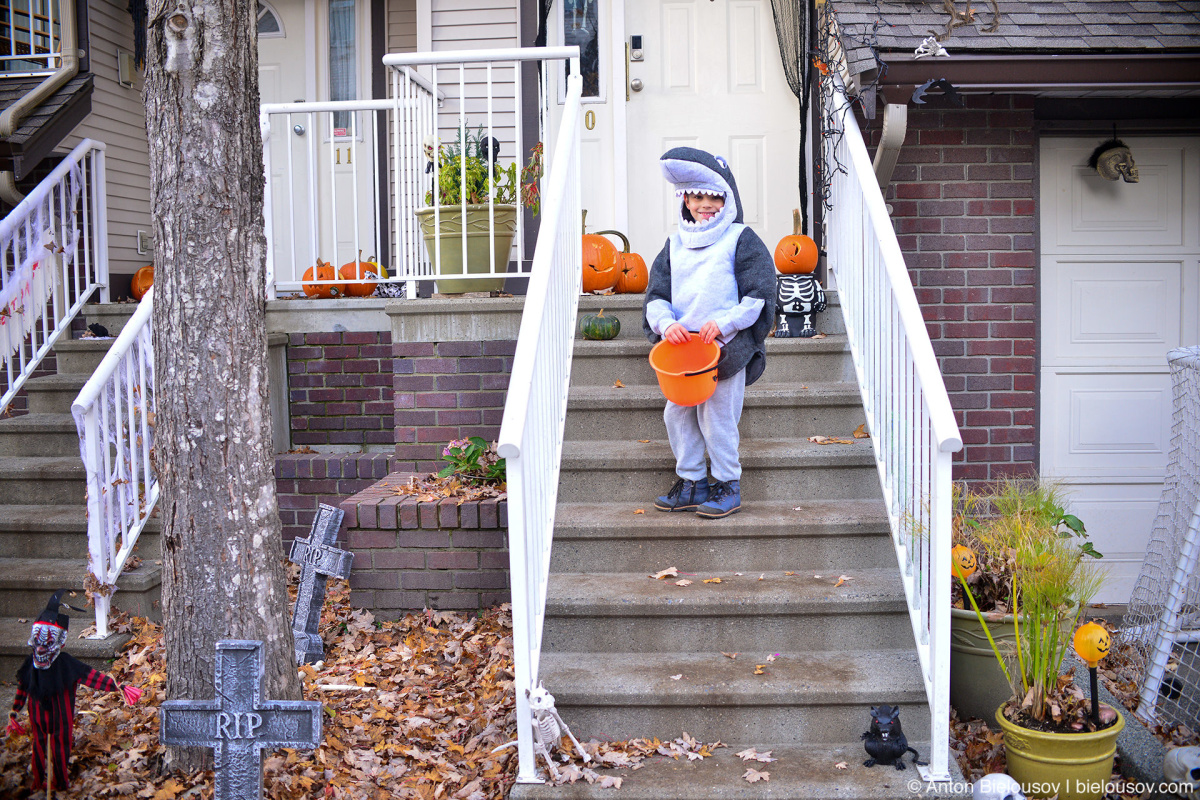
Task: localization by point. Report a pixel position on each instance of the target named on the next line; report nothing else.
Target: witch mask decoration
(1114, 161)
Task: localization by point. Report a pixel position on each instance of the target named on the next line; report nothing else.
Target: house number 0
(589, 120)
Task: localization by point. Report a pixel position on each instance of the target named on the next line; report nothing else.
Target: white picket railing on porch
(908, 411)
(114, 414)
(53, 256)
(535, 410)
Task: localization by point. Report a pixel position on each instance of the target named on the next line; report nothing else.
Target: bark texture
(223, 575)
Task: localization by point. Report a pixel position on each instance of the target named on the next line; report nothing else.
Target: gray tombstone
(319, 560)
(239, 725)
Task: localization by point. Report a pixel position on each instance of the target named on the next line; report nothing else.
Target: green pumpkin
(598, 326)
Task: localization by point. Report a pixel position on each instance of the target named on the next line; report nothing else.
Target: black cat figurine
(885, 741)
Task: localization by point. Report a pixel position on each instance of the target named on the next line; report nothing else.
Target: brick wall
(411, 555)
(303, 481)
(962, 199)
(446, 391)
(340, 388)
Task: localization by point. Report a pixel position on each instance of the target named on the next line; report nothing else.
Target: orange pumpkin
(324, 272)
(143, 279)
(796, 254)
(601, 262)
(357, 282)
(633, 276)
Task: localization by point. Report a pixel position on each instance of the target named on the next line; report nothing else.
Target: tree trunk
(223, 574)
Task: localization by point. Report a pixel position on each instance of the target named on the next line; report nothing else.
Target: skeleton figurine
(997, 786)
(1113, 160)
(548, 728)
(1182, 767)
(797, 299)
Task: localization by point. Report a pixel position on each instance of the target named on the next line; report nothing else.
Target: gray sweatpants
(712, 425)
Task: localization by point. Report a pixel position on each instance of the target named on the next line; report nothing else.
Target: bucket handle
(701, 372)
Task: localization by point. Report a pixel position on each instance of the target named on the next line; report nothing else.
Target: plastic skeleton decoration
(548, 728)
(1182, 766)
(48, 680)
(797, 299)
(997, 786)
(1114, 161)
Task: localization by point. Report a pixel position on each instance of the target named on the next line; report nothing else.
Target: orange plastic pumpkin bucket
(687, 373)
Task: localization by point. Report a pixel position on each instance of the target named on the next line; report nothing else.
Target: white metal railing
(535, 410)
(114, 414)
(908, 411)
(53, 255)
(30, 42)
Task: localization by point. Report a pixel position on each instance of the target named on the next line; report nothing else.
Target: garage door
(1120, 286)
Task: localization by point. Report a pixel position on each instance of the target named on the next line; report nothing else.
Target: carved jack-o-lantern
(796, 254)
(1092, 643)
(963, 561)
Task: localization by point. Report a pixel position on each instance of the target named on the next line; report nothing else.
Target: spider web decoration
(793, 21)
(1163, 620)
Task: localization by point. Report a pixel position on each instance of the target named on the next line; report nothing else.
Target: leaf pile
(427, 488)
(414, 709)
(626, 755)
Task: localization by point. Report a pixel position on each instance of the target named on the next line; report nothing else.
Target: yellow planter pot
(1076, 766)
(480, 260)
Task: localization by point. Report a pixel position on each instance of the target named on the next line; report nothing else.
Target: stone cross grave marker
(319, 560)
(239, 724)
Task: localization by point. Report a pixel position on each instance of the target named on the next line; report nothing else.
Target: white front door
(1120, 286)
(334, 153)
(711, 78)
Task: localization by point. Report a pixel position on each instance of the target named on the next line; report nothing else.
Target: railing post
(100, 204)
(90, 445)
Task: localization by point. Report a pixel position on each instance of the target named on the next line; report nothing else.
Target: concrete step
(51, 480)
(620, 612)
(53, 394)
(39, 435)
(80, 356)
(14, 633)
(60, 532)
(811, 536)
(27, 583)
(802, 697)
(794, 361)
(770, 410)
(111, 315)
(786, 470)
(800, 772)
(628, 309)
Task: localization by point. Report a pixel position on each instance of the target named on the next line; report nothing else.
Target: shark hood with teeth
(694, 171)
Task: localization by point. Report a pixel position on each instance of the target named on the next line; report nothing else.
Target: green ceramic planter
(479, 252)
(977, 684)
(1075, 766)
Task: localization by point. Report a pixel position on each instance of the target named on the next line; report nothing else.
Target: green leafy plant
(465, 170)
(1043, 556)
(472, 461)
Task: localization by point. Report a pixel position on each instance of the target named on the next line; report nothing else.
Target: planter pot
(479, 256)
(1076, 766)
(977, 684)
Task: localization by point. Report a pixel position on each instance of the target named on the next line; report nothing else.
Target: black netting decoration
(793, 22)
(138, 11)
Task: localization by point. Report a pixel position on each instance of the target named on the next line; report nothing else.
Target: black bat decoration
(949, 92)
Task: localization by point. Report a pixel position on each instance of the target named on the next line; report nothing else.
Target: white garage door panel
(1103, 212)
(1118, 519)
(1126, 309)
(1114, 423)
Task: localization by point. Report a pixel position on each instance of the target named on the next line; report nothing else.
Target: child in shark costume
(714, 276)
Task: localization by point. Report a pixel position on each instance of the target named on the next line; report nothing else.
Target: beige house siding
(402, 26)
(118, 119)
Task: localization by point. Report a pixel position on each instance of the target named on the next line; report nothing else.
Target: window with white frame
(579, 23)
(343, 70)
(269, 24)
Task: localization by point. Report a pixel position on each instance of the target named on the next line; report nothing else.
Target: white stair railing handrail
(912, 425)
(53, 256)
(531, 433)
(114, 414)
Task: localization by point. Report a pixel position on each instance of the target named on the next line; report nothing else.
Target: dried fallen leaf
(618, 385)
(840, 765)
(789, 574)
(773, 656)
(644, 441)
(861, 432)
(842, 579)
(677, 677)
(761, 577)
(750, 754)
(819, 336)
(729, 655)
(829, 440)
(712, 580)
(760, 669)
(683, 582)
(669, 572)
(753, 775)
(639, 511)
